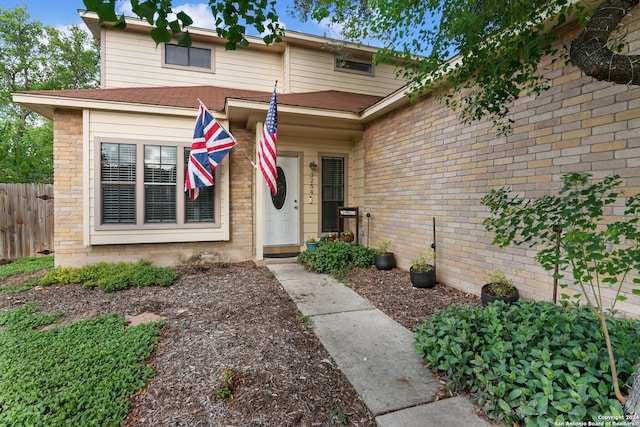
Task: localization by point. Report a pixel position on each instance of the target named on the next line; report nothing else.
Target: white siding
(133, 60)
(314, 71)
(312, 148)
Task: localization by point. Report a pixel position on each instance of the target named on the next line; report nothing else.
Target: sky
(62, 13)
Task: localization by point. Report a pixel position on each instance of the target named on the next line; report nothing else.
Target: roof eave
(46, 104)
(334, 122)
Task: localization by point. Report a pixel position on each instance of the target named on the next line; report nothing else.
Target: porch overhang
(297, 120)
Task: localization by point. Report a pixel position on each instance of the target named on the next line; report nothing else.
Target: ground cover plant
(337, 257)
(281, 376)
(80, 374)
(531, 363)
(576, 233)
(25, 265)
(111, 277)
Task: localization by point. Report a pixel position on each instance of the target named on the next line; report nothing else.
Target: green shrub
(336, 258)
(531, 363)
(111, 277)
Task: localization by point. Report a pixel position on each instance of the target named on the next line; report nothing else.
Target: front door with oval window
(282, 212)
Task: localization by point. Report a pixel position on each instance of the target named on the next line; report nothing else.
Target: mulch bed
(391, 291)
(236, 318)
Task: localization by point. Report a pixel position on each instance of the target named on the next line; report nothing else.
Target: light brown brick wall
(67, 184)
(68, 231)
(421, 163)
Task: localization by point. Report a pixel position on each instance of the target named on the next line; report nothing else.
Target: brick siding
(68, 219)
(422, 163)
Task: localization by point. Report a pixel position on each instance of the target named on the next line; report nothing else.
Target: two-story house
(120, 151)
(347, 136)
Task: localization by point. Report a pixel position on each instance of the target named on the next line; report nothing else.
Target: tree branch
(590, 52)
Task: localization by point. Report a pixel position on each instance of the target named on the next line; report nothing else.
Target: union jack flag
(211, 142)
(267, 154)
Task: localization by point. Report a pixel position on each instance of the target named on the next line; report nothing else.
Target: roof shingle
(215, 97)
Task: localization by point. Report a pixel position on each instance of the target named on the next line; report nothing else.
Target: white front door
(281, 212)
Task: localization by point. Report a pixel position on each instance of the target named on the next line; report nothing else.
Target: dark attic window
(187, 56)
(354, 66)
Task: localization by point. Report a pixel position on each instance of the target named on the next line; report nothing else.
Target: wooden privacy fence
(26, 220)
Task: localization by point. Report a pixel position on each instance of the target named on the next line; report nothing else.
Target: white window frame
(337, 67)
(210, 48)
(345, 186)
(141, 232)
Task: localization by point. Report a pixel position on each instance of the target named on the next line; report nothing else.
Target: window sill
(134, 236)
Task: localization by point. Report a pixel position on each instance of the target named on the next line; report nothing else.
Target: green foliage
(26, 265)
(337, 417)
(383, 249)
(77, 59)
(232, 20)
(337, 258)
(26, 151)
(29, 283)
(111, 277)
(571, 231)
(79, 374)
(226, 388)
(425, 262)
(499, 285)
(531, 363)
(597, 250)
(502, 44)
(306, 321)
(37, 57)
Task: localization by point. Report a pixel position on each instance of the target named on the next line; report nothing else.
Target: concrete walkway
(375, 352)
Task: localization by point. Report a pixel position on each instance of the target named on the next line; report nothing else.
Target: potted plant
(423, 271)
(311, 243)
(384, 259)
(498, 288)
(347, 236)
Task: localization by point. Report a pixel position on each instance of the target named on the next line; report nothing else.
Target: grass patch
(79, 374)
(531, 363)
(26, 265)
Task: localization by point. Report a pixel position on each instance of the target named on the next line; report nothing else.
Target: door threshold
(282, 255)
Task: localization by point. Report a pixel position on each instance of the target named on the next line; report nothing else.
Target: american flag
(267, 153)
(211, 142)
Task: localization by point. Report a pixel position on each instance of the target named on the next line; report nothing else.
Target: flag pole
(234, 140)
(247, 156)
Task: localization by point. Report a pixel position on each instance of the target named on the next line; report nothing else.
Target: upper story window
(189, 57)
(354, 66)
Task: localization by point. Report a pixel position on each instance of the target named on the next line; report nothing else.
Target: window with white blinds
(332, 192)
(201, 209)
(160, 164)
(118, 182)
(140, 186)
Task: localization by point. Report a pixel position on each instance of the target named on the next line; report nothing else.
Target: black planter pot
(423, 279)
(385, 261)
(487, 298)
